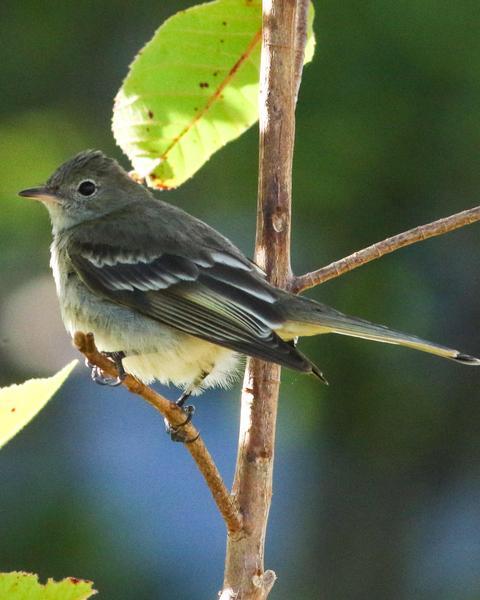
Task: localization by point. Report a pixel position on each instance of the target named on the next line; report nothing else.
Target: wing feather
(213, 296)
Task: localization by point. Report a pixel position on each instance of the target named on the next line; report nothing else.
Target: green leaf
(20, 403)
(25, 586)
(192, 89)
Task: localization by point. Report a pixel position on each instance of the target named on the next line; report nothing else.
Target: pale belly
(153, 351)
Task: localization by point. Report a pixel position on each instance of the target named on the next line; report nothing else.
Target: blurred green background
(377, 482)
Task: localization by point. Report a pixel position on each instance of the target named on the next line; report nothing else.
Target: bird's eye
(87, 187)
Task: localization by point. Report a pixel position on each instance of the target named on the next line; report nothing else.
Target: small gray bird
(167, 296)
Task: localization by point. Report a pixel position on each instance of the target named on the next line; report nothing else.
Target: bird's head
(86, 187)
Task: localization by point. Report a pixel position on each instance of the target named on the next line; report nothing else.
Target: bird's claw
(177, 433)
(98, 376)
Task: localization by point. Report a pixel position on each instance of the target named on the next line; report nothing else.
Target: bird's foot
(98, 376)
(178, 433)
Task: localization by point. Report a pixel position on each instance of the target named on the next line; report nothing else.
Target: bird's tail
(307, 317)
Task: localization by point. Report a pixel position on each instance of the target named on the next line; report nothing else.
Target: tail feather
(466, 359)
(311, 318)
(379, 333)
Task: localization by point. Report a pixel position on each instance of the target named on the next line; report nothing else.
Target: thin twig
(85, 343)
(417, 234)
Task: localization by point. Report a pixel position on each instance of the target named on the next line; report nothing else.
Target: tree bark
(245, 577)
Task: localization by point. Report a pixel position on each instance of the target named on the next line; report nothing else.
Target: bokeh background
(377, 481)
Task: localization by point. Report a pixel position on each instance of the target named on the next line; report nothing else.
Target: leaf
(25, 586)
(192, 89)
(20, 403)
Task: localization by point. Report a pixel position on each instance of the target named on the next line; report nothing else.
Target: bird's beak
(39, 193)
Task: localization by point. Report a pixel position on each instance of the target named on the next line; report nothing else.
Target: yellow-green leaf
(192, 89)
(25, 586)
(20, 403)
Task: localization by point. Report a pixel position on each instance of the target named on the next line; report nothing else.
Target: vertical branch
(245, 577)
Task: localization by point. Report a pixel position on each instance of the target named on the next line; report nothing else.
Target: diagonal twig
(85, 343)
(303, 282)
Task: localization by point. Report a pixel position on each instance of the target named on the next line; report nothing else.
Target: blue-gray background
(377, 481)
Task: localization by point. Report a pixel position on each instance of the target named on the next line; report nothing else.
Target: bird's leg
(99, 377)
(177, 434)
(184, 397)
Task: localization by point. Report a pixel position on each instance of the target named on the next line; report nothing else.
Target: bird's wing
(214, 295)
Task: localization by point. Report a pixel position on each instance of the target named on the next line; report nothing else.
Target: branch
(423, 232)
(245, 577)
(85, 343)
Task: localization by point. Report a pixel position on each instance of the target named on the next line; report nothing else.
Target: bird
(168, 297)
